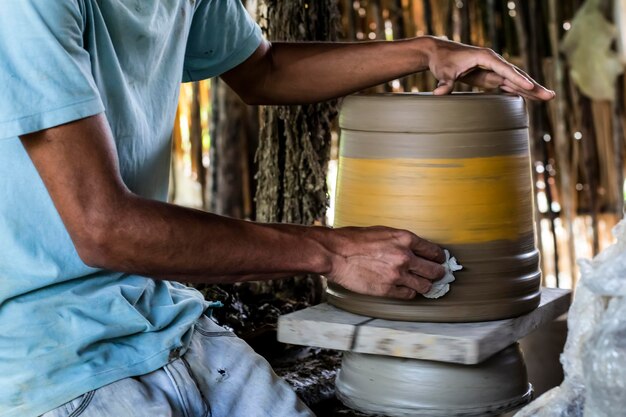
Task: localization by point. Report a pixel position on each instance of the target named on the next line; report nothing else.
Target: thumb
(444, 87)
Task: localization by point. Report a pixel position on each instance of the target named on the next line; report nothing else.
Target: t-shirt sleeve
(222, 36)
(45, 72)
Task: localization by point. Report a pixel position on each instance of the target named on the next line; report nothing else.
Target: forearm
(171, 242)
(112, 228)
(298, 73)
(312, 72)
(223, 279)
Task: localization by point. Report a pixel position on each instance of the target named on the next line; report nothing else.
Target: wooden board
(466, 343)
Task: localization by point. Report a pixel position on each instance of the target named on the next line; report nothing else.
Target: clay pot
(408, 387)
(452, 169)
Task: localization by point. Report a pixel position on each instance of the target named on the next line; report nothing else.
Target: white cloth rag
(442, 286)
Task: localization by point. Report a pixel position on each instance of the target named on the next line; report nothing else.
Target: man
(88, 91)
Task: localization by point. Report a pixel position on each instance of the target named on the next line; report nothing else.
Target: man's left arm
(299, 73)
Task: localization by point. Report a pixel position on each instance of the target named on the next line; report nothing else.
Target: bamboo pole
(491, 26)
(560, 135)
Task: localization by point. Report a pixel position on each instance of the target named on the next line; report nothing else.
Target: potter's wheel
(400, 368)
(401, 387)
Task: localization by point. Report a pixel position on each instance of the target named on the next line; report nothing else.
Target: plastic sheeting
(594, 66)
(594, 358)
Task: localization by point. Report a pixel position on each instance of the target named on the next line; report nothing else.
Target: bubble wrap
(594, 358)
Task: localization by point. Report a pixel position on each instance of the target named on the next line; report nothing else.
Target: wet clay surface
(409, 387)
(410, 112)
(359, 144)
(499, 280)
(311, 372)
(454, 170)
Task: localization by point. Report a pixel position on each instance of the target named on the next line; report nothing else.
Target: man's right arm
(114, 229)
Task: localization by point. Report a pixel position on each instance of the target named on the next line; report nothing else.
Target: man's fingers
(510, 88)
(492, 61)
(483, 78)
(444, 87)
(401, 292)
(416, 283)
(487, 79)
(517, 77)
(427, 249)
(427, 269)
(519, 80)
(518, 92)
(539, 92)
(542, 92)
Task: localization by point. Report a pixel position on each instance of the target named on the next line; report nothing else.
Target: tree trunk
(295, 141)
(234, 138)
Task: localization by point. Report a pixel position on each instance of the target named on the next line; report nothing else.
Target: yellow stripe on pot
(449, 201)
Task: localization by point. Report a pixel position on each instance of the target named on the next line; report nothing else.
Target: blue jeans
(218, 376)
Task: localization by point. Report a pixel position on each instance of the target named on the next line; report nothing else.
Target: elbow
(94, 246)
(252, 80)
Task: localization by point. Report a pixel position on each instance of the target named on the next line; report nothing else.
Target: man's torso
(66, 328)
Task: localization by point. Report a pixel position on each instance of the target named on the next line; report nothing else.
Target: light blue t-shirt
(66, 328)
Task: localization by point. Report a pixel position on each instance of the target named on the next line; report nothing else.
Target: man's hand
(481, 67)
(297, 73)
(384, 262)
